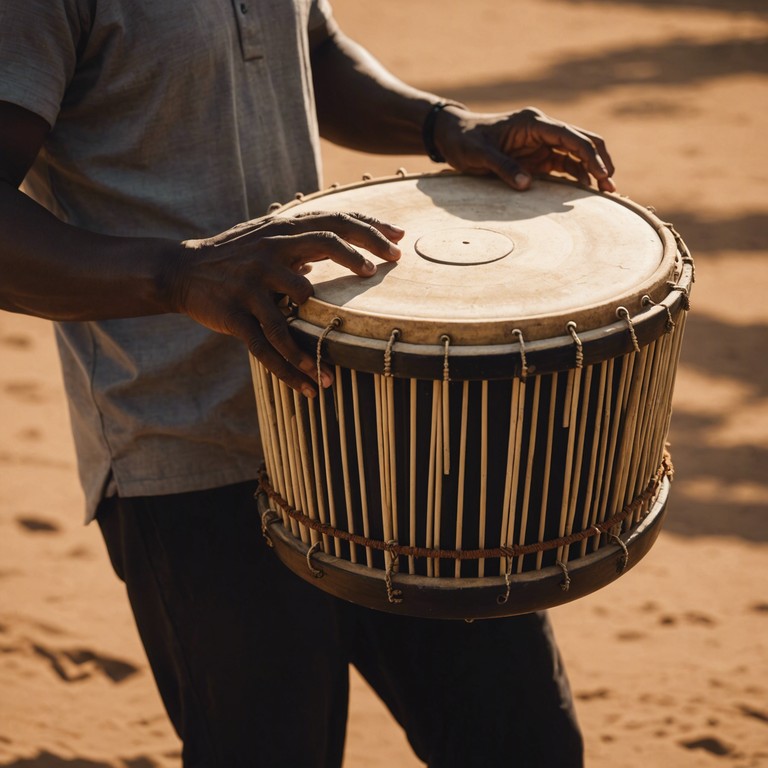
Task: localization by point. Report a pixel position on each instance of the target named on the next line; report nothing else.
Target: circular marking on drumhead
(464, 245)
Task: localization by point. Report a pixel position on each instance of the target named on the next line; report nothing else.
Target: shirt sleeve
(39, 40)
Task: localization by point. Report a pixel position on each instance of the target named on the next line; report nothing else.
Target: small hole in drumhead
(465, 242)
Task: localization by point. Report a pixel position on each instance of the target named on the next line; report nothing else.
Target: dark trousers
(252, 662)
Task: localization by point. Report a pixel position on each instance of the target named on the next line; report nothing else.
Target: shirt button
(243, 8)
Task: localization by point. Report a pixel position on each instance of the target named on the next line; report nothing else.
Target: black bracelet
(428, 131)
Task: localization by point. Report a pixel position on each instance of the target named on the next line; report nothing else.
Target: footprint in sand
(598, 693)
(47, 759)
(758, 714)
(31, 435)
(26, 391)
(81, 664)
(37, 525)
(701, 619)
(710, 744)
(16, 341)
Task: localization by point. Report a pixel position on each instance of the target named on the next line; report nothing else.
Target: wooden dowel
(576, 472)
(617, 423)
(413, 404)
(437, 517)
(518, 407)
(389, 383)
(262, 411)
(431, 475)
(284, 452)
(384, 488)
(629, 415)
(483, 471)
(597, 429)
(603, 461)
(305, 531)
(529, 468)
(570, 404)
(639, 437)
(446, 437)
(306, 463)
(547, 466)
(345, 459)
(361, 466)
(462, 473)
(509, 471)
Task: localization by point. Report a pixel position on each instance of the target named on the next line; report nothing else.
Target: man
(140, 130)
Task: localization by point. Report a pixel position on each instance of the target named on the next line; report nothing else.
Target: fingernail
(522, 179)
(369, 266)
(395, 251)
(325, 380)
(610, 184)
(397, 230)
(307, 391)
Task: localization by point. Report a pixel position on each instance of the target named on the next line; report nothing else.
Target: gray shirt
(170, 119)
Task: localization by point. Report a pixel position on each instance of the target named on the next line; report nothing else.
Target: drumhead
(480, 259)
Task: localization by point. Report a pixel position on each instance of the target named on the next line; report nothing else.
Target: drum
(494, 440)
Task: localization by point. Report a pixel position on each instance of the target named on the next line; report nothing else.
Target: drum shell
(533, 427)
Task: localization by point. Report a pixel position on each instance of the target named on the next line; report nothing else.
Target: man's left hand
(518, 145)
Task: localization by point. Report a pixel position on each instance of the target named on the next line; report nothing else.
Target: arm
(362, 106)
(228, 282)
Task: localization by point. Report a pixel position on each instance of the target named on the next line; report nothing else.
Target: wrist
(430, 133)
(172, 276)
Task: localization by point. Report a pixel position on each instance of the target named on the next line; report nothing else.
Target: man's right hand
(232, 283)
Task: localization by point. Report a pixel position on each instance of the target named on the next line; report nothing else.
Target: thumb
(507, 169)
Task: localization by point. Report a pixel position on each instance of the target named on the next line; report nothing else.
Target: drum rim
(319, 312)
(648, 310)
(470, 598)
(499, 361)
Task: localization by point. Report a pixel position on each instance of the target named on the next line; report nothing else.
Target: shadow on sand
(677, 62)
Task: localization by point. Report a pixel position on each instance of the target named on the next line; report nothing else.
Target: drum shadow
(473, 199)
(483, 198)
(348, 287)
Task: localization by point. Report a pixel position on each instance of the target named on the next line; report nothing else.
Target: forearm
(361, 105)
(56, 271)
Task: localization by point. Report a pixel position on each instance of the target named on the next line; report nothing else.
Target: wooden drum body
(494, 441)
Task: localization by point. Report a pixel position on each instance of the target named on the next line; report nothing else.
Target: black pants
(252, 662)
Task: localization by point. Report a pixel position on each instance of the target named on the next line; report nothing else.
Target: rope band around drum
(516, 550)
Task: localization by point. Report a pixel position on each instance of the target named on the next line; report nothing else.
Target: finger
(297, 250)
(577, 144)
(281, 278)
(247, 328)
(565, 164)
(602, 150)
(275, 329)
(507, 169)
(390, 231)
(358, 229)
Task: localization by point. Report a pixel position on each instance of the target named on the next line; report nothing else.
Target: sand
(669, 664)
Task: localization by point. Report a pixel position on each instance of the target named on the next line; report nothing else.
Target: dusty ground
(670, 664)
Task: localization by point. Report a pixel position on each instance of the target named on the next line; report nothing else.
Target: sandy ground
(669, 665)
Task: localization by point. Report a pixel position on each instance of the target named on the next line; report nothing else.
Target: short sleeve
(39, 40)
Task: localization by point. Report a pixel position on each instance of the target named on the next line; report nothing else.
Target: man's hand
(231, 283)
(517, 145)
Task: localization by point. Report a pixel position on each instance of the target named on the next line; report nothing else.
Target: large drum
(494, 440)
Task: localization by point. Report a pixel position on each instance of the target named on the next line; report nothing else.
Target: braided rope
(516, 550)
